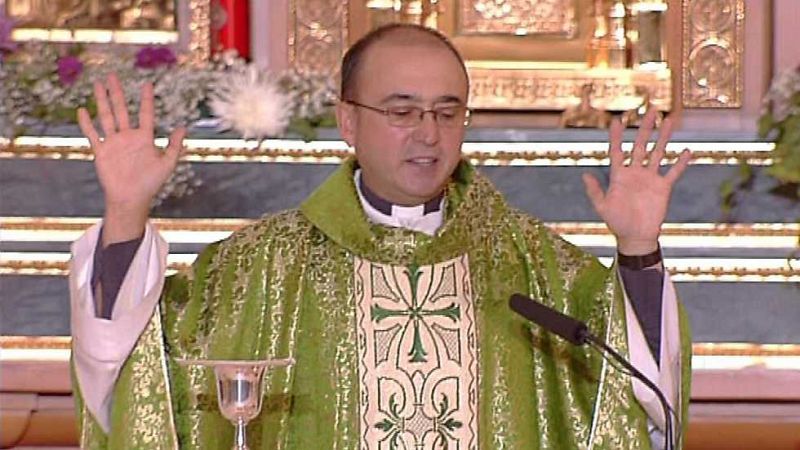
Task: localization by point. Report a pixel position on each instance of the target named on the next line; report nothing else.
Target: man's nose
(427, 131)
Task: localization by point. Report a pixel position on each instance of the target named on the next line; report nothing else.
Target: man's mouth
(423, 161)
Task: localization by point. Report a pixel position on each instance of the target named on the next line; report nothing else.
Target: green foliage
(780, 123)
(306, 127)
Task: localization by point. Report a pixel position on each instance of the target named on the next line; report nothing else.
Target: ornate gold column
(317, 35)
(713, 43)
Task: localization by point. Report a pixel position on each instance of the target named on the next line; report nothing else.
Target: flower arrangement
(43, 84)
(779, 122)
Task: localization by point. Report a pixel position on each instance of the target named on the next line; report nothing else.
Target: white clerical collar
(425, 218)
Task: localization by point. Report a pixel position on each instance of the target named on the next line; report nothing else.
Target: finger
(175, 146)
(640, 144)
(615, 154)
(677, 170)
(118, 102)
(593, 190)
(657, 154)
(87, 127)
(103, 109)
(146, 109)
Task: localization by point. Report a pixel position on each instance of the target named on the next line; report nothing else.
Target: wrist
(634, 247)
(123, 222)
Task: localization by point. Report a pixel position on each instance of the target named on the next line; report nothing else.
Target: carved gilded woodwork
(520, 17)
(713, 43)
(318, 34)
(542, 86)
(136, 15)
(521, 55)
(183, 24)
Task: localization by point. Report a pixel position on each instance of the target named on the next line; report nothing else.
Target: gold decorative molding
(713, 43)
(699, 229)
(318, 34)
(517, 17)
(708, 269)
(334, 151)
(36, 342)
(556, 86)
(744, 349)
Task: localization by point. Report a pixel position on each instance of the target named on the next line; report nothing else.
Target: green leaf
(745, 171)
(61, 114)
(728, 196)
(765, 124)
(77, 49)
(303, 128)
(791, 128)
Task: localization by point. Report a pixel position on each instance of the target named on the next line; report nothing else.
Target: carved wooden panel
(517, 17)
(317, 35)
(713, 42)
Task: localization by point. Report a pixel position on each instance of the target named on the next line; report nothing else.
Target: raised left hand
(635, 205)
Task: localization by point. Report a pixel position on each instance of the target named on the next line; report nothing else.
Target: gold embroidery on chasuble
(417, 345)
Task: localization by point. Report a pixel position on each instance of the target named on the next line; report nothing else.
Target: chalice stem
(240, 440)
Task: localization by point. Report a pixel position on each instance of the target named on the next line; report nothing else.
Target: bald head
(395, 34)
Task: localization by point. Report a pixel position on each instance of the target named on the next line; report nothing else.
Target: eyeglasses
(411, 116)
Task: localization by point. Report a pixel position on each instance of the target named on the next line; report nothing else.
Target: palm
(635, 205)
(130, 167)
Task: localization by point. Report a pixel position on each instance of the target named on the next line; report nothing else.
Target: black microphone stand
(577, 333)
(587, 337)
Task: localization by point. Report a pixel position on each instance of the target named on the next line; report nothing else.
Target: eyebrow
(409, 97)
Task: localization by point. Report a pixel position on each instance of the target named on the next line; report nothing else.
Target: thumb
(593, 190)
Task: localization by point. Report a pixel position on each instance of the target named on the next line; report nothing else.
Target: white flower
(781, 92)
(252, 103)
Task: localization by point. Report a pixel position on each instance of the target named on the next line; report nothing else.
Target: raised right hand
(130, 168)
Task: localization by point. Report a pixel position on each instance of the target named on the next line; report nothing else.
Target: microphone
(577, 333)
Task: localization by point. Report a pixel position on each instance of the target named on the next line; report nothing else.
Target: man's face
(406, 166)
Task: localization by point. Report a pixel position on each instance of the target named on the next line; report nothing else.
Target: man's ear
(346, 122)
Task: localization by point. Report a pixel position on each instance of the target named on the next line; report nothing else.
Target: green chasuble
(401, 340)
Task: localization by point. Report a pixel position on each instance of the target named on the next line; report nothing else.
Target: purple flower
(152, 57)
(69, 68)
(6, 27)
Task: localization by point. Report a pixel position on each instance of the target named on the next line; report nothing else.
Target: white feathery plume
(251, 102)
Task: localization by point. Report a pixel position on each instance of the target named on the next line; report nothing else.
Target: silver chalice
(239, 390)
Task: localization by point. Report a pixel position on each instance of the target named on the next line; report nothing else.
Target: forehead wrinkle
(447, 98)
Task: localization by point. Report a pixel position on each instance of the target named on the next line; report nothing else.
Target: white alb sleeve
(100, 346)
(667, 373)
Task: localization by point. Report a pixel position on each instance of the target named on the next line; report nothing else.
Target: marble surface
(45, 187)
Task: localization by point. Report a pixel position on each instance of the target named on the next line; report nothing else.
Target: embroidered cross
(416, 313)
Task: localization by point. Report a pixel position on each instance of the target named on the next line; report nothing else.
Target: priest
(389, 286)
